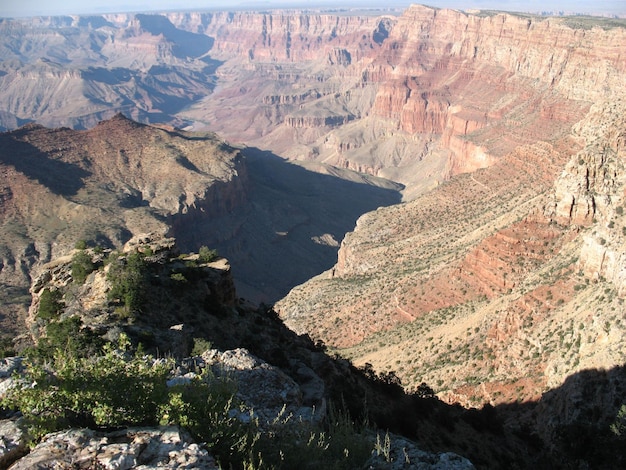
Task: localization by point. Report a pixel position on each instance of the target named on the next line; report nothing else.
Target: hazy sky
(18, 8)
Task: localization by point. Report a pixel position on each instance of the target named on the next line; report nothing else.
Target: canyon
(434, 194)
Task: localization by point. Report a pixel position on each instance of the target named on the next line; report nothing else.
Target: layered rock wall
(487, 84)
(294, 36)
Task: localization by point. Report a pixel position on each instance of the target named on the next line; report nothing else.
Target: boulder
(12, 442)
(137, 448)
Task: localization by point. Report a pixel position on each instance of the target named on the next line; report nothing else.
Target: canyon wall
(487, 84)
(374, 93)
(502, 282)
(467, 87)
(295, 36)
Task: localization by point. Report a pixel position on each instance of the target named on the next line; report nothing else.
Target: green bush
(82, 266)
(200, 345)
(104, 391)
(206, 255)
(68, 336)
(178, 278)
(203, 407)
(290, 443)
(618, 427)
(49, 304)
(121, 389)
(128, 277)
(80, 244)
(6, 347)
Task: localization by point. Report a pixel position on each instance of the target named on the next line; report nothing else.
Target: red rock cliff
(293, 36)
(489, 84)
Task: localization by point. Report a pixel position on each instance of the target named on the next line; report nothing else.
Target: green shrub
(82, 266)
(206, 255)
(289, 443)
(128, 277)
(49, 304)
(80, 244)
(200, 345)
(119, 389)
(203, 407)
(178, 278)
(104, 391)
(6, 347)
(618, 427)
(68, 336)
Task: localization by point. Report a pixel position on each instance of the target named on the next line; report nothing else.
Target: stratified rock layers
(506, 280)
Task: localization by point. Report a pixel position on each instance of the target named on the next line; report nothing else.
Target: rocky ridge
(122, 178)
(104, 185)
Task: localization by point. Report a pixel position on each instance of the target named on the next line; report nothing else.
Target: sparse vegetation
(66, 335)
(6, 347)
(75, 391)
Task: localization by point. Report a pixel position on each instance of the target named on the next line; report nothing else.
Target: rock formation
(104, 185)
(168, 448)
(501, 292)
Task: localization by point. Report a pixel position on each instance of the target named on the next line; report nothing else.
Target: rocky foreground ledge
(264, 393)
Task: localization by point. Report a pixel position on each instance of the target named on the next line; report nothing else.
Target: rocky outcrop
(168, 448)
(315, 121)
(105, 185)
(165, 321)
(591, 190)
(268, 393)
(591, 186)
(291, 99)
(404, 454)
(12, 442)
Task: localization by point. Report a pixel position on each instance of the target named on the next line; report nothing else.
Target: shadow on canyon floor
(569, 427)
(290, 228)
